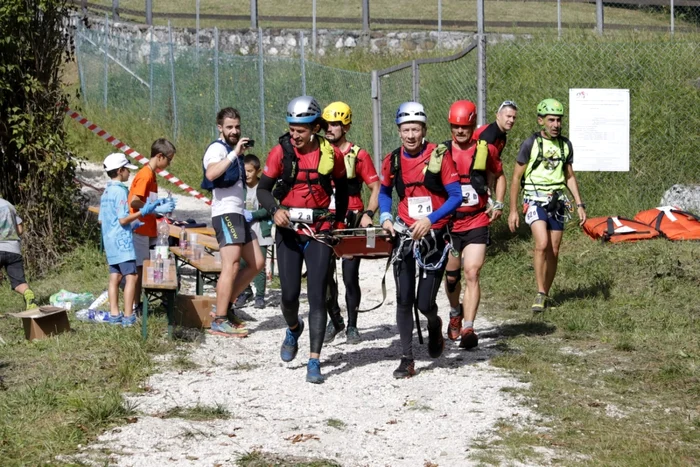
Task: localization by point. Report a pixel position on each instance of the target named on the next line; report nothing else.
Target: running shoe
(313, 371)
(436, 343)
(290, 346)
(234, 319)
(406, 368)
(352, 335)
(550, 304)
(332, 331)
(259, 303)
(454, 326)
(115, 320)
(243, 298)
(540, 302)
(223, 327)
(29, 299)
(469, 339)
(128, 321)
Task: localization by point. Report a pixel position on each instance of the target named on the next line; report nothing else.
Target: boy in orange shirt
(145, 188)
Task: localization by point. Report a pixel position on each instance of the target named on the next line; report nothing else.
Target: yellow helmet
(338, 112)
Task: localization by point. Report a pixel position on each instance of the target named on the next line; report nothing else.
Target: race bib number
(419, 207)
(469, 196)
(305, 215)
(531, 215)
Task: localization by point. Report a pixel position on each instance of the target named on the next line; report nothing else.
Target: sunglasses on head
(508, 104)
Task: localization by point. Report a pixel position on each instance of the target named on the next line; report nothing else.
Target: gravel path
(359, 416)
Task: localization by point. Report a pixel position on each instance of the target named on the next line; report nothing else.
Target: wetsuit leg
(318, 262)
(289, 258)
(332, 297)
(405, 278)
(353, 294)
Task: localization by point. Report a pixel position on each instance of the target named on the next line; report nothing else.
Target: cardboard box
(43, 322)
(192, 311)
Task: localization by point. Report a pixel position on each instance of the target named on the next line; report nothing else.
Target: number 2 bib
(469, 196)
(305, 215)
(419, 206)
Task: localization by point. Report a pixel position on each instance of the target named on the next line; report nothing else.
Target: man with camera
(224, 175)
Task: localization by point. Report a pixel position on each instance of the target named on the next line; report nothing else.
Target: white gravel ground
(360, 416)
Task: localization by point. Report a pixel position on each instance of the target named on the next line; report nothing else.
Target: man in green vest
(543, 170)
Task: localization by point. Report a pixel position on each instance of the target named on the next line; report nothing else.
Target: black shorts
(13, 264)
(478, 236)
(232, 229)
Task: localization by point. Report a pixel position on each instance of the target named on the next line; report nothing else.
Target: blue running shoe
(128, 321)
(290, 346)
(313, 371)
(116, 320)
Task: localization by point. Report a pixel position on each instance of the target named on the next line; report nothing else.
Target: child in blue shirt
(117, 237)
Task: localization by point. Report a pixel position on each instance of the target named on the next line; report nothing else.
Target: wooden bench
(207, 269)
(166, 291)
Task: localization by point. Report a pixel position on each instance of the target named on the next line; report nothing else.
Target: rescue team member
(359, 169)
(544, 166)
(496, 132)
(304, 165)
(224, 175)
(470, 228)
(428, 188)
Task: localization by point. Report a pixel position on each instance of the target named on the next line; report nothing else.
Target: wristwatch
(273, 210)
(581, 205)
(369, 212)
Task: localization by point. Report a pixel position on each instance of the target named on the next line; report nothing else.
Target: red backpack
(673, 223)
(618, 229)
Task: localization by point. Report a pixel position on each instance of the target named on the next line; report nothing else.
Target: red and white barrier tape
(133, 154)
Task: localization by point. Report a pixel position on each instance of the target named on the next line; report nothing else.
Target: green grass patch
(63, 391)
(198, 412)
(264, 459)
(335, 423)
(614, 370)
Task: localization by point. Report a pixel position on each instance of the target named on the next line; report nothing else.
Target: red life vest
(673, 223)
(618, 229)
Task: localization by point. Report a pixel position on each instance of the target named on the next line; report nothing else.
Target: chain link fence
(181, 89)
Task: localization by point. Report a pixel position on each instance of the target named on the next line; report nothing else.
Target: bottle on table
(158, 270)
(163, 241)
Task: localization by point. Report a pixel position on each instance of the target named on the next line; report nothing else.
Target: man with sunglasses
(496, 133)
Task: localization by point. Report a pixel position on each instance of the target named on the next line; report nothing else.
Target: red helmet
(462, 113)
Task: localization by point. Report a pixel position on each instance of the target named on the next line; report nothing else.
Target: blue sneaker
(116, 320)
(290, 346)
(128, 321)
(313, 371)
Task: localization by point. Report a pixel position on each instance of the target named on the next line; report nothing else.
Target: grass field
(509, 11)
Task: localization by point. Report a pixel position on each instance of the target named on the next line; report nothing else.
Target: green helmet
(550, 107)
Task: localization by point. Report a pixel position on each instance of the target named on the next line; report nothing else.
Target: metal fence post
(196, 34)
(79, 59)
(376, 120)
(115, 10)
(303, 63)
(172, 80)
(559, 18)
(149, 12)
(365, 16)
(673, 19)
(253, 14)
(313, 27)
(83, 4)
(106, 68)
(415, 80)
(599, 16)
(150, 70)
(481, 64)
(439, 22)
(261, 81)
(216, 70)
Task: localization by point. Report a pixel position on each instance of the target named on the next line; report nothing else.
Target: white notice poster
(599, 129)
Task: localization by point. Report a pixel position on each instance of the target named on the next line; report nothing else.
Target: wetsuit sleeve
(341, 194)
(454, 192)
(265, 198)
(385, 199)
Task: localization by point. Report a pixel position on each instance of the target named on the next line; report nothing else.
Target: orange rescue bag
(618, 229)
(673, 223)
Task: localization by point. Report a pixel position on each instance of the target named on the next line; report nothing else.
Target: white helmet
(411, 112)
(303, 109)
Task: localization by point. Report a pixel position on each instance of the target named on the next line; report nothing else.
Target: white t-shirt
(251, 204)
(224, 200)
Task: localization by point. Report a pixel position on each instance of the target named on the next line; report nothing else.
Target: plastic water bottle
(163, 241)
(183, 239)
(158, 270)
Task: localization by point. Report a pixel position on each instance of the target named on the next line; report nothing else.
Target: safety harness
(431, 174)
(539, 159)
(354, 184)
(477, 174)
(290, 168)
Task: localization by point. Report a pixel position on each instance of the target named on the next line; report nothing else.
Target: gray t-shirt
(9, 235)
